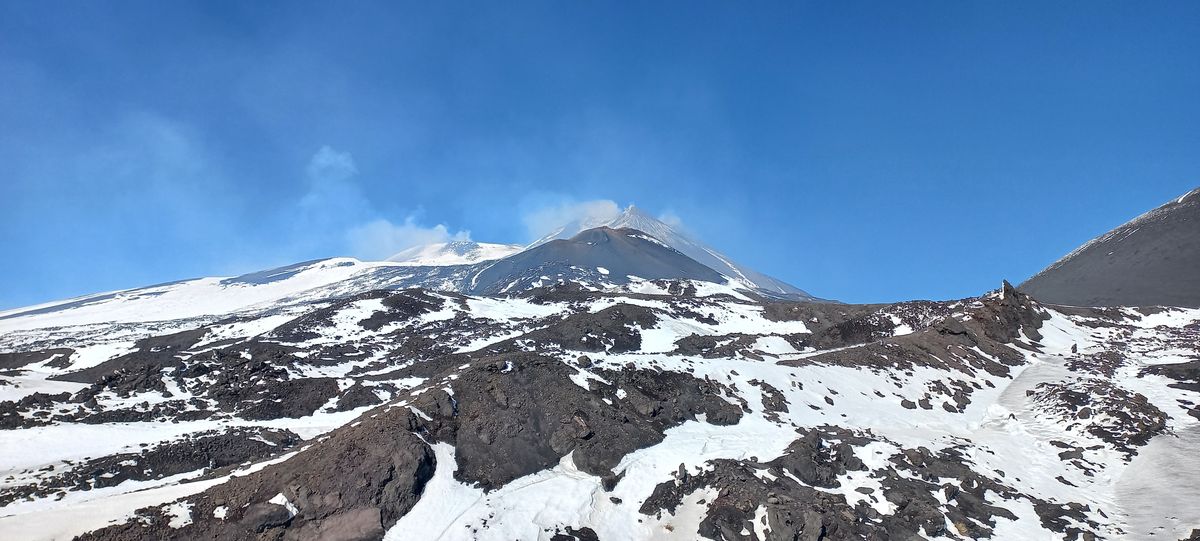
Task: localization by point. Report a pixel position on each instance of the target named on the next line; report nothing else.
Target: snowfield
(1045, 423)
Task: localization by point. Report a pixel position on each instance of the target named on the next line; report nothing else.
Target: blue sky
(862, 151)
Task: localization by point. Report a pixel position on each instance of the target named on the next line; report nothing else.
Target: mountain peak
(633, 210)
(614, 255)
(633, 217)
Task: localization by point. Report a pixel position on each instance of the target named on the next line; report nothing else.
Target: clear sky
(862, 151)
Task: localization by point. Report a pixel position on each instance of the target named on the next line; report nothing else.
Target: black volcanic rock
(214, 450)
(516, 414)
(1153, 260)
(351, 487)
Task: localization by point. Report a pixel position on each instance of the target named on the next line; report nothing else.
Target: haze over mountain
(1152, 260)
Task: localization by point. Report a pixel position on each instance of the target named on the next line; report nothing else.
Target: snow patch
(180, 513)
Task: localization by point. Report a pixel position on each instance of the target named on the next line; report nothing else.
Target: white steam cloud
(336, 203)
(335, 212)
(546, 220)
(380, 239)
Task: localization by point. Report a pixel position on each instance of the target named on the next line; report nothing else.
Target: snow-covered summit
(459, 252)
(634, 218)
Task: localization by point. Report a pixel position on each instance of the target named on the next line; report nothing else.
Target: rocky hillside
(1153, 260)
(652, 409)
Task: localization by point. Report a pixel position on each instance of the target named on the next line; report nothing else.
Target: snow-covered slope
(634, 218)
(454, 253)
(656, 410)
(186, 298)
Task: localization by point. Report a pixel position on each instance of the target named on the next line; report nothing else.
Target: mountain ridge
(453, 266)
